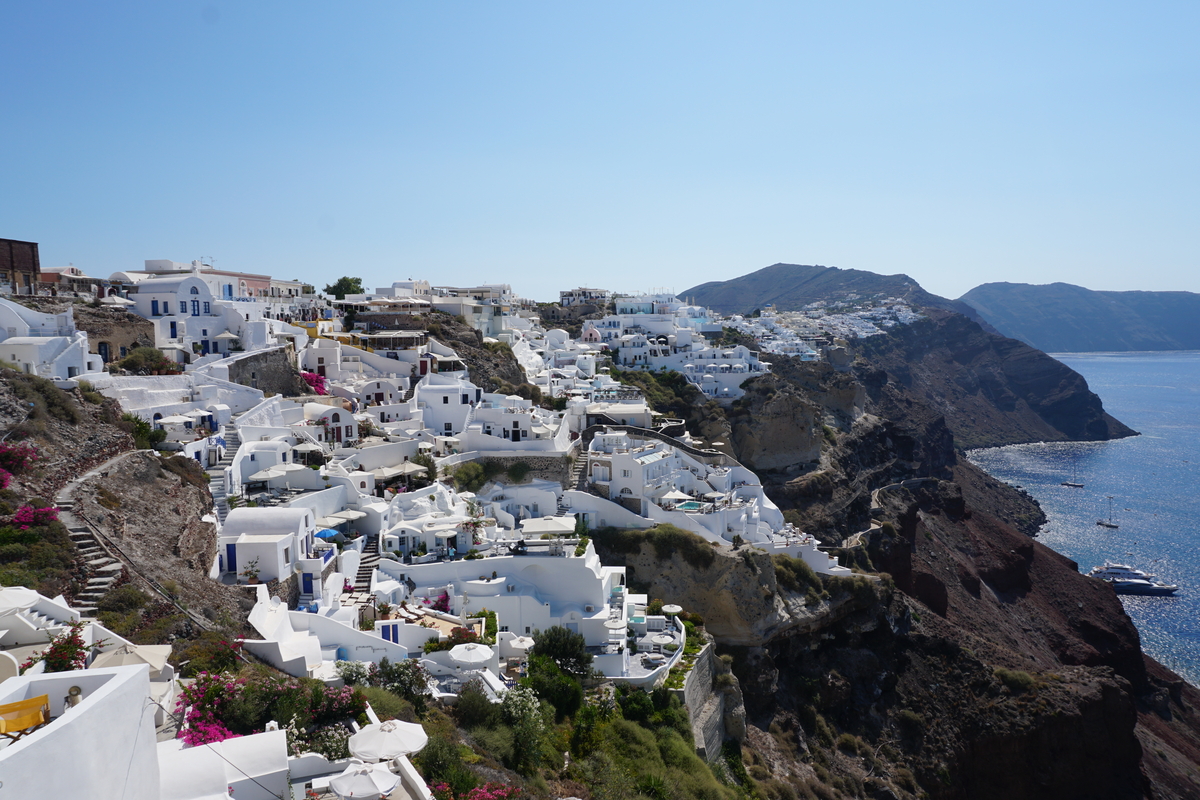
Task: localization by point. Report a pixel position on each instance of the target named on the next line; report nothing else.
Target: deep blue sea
(1154, 480)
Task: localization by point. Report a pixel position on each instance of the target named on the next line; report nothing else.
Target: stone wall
(550, 468)
(716, 714)
(272, 371)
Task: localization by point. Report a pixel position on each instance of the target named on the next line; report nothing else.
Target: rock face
(271, 371)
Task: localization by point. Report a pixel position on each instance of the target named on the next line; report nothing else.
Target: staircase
(103, 570)
(366, 567)
(578, 478)
(216, 479)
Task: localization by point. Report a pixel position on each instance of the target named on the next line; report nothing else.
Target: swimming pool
(690, 505)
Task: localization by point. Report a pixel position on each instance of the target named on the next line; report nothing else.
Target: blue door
(306, 583)
(174, 330)
(231, 558)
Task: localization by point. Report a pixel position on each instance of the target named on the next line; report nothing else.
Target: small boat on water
(1126, 580)
(1074, 482)
(1143, 587)
(1109, 523)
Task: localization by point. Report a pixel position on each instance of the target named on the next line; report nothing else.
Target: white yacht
(1127, 580)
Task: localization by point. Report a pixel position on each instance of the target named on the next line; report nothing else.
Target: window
(207, 307)
(449, 427)
(195, 290)
(182, 306)
(350, 435)
(466, 398)
(252, 457)
(625, 473)
(504, 628)
(287, 555)
(445, 399)
(336, 417)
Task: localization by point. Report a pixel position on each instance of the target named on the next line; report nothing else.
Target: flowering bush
(29, 517)
(218, 707)
(315, 382)
(5, 478)
(457, 636)
(489, 791)
(442, 603)
(16, 457)
(65, 652)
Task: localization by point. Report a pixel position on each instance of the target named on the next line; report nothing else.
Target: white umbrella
(387, 740)
(615, 624)
(116, 300)
(446, 534)
(308, 447)
(153, 654)
(522, 642)
(175, 419)
(675, 494)
(291, 467)
(266, 474)
(663, 638)
(470, 653)
(195, 412)
(364, 780)
(671, 608)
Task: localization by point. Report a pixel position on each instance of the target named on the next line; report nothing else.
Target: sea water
(1153, 480)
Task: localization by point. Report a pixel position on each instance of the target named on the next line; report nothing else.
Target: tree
(554, 686)
(344, 286)
(565, 648)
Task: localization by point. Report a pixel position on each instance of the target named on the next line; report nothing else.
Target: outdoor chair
(24, 716)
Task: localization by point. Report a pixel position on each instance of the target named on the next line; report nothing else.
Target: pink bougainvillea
(489, 791)
(29, 517)
(16, 457)
(315, 382)
(5, 478)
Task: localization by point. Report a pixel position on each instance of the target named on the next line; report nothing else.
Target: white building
(45, 344)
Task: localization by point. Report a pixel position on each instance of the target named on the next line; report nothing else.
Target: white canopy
(349, 515)
(675, 494)
(308, 447)
(16, 598)
(226, 336)
(116, 300)
(552, 525)
(174, 419)
(387, 740)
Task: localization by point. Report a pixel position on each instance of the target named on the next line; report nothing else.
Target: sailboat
(1110, 523)
(1073, 483)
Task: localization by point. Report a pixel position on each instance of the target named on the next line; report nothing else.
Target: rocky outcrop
(991, 390)
(271, 371)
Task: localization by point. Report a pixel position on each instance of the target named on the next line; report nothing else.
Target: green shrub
(88, 392)
(795, 574)
(518, 471)
(474, 709)
(388, 705)
(1016, 680)
(123, 599)
(911, 723)
(469, 477)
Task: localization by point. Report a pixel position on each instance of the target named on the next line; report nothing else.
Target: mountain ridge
(1065, 318)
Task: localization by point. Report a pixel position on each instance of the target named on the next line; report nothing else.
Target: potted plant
(250, 571)
(385, 611)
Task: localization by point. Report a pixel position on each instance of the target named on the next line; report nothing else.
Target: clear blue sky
(623, 145)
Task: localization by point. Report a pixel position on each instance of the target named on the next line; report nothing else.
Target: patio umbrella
(328, 533)
(662, 638)
(615, 624)
(672, 609)
(387, 740)
(174, 419)
(471, 653)
(266, 474)
(308, 447)
(116, 300)
(153, 654)
(365, 780)
(675, 494)
(522, 642)
(291, 468)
